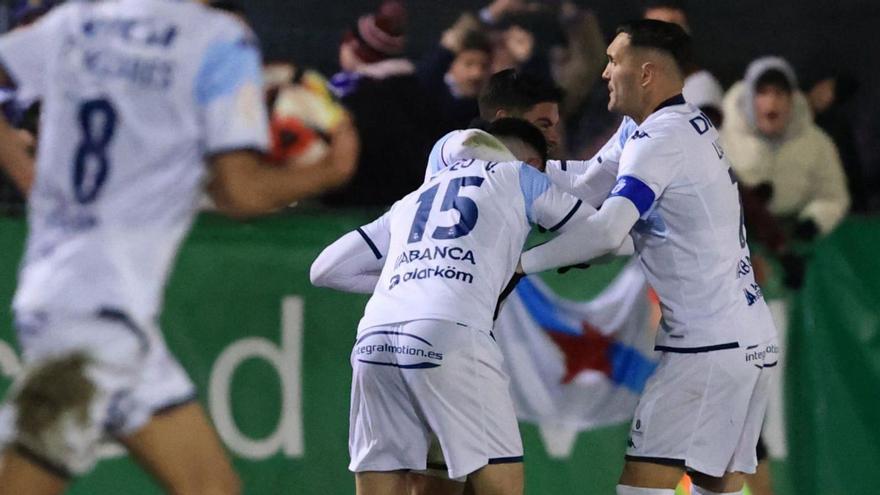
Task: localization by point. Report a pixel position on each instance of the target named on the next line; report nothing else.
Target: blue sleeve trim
(226, 67)
(568, 216)
(533, 184)
(370, 243)
(436, 160)
(636, 191)
(627, 128)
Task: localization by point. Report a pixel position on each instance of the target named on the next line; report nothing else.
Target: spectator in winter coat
(776, 148)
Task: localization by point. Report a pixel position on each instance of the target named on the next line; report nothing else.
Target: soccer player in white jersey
(511, 93)
(138, 97)
(703, 408)
(425, 361)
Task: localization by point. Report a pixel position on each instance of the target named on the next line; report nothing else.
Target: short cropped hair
(680, 5)
(516, 92)
(523, 130)
(663, 36)
(230, 6)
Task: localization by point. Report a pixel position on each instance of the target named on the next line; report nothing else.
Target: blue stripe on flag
(629, 367)
(541, 309)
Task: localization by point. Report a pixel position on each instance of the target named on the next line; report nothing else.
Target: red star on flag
(584, 352)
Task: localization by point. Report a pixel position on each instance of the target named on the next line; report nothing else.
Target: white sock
(632, 490)
(697, 490)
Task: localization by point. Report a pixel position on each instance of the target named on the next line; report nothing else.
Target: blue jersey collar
(675, 100)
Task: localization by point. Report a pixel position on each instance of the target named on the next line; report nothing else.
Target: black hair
(775, 78)
(228, 5)
(664, 4)
(516, 92)
(523, 130)
(666, 37)
(475, 40)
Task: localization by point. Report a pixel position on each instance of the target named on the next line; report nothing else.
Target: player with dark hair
(703, 408)
(511, 93)
(515, 133)
(426, 366)
(701, 88)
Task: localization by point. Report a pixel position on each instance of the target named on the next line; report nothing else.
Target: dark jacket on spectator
(396, 127)
(452, 112)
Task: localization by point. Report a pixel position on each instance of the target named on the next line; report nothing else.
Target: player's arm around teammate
(645, 77)
(353, 263)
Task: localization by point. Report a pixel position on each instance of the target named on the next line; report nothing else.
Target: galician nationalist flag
(577, 366)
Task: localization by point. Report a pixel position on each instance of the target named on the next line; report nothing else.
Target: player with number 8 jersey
(124, 161)
(147, 104)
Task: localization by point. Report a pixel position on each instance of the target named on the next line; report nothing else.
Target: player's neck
(655, 102)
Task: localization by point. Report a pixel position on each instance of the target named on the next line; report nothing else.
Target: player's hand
(566, 269)
(806, 230)
(764, 192)
(794, 270)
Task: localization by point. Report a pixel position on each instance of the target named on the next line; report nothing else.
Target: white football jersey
(591, 180)
(453, 244)
(135, 94)
(690, 238)
(465, 144)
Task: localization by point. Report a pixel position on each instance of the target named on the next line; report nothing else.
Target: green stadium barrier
(833, 371)
(269, 355)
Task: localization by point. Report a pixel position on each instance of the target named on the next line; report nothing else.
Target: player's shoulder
(668, 130)
(531, 181)
(218, 25)
(684, 119)
(465, 144)
(507, 170)
(627, 127)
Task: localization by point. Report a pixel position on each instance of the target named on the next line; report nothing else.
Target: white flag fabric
(578, 365)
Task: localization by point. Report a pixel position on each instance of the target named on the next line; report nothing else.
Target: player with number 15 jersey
(425, 361)
(455, 241)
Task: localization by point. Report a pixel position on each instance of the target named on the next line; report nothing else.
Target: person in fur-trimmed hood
(777, 149)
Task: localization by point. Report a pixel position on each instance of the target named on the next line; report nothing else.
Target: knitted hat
(381, 35)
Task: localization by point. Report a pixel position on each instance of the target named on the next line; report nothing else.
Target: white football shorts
(418, 379)
(704, 411)
(133, 373)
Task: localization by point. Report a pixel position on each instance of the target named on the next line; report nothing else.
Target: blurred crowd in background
(803, 156)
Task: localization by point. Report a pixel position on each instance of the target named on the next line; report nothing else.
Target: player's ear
(649, 72)
(501, 113)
